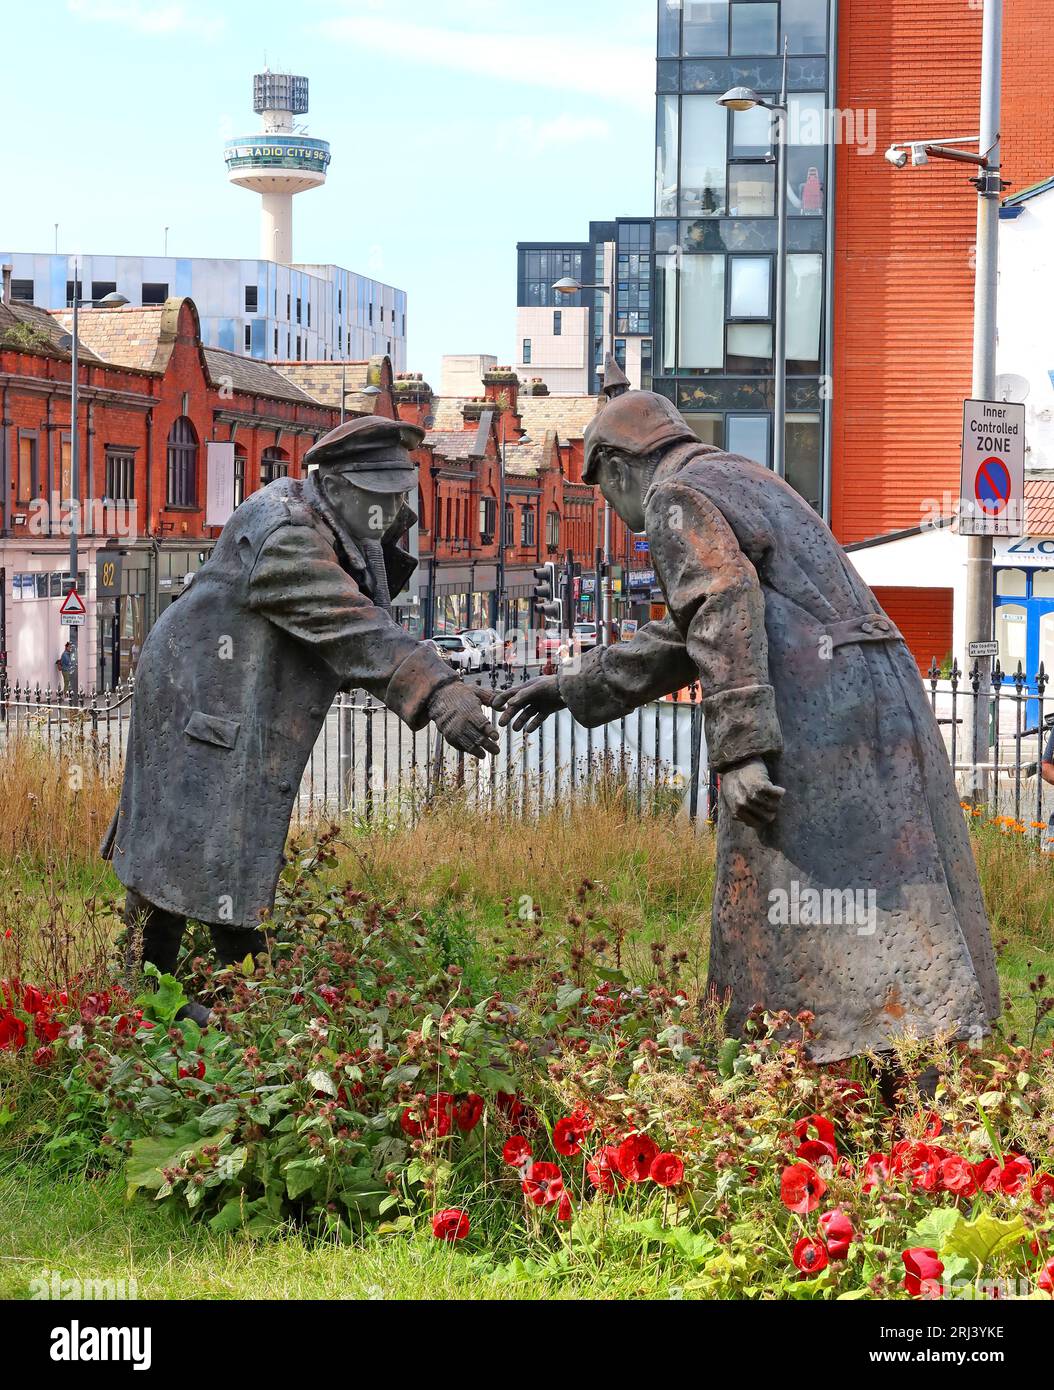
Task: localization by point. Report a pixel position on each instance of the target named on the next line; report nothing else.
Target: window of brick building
(182, 464)
(120, 475)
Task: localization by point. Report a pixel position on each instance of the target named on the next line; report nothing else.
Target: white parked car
(462, 654)
(487, 641)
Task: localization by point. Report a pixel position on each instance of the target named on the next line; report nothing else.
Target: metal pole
(74, 631)
(607, 585)
(779, 404)
(986, 296)
(499, 606)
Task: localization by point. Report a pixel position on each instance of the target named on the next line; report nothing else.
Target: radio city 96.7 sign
(288, 151)
(992, 491)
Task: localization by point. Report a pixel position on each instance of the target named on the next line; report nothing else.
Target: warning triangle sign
(72, 605)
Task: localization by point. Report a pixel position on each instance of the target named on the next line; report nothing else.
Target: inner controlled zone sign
(992, 491)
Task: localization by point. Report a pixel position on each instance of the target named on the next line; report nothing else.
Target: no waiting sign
(992, 491)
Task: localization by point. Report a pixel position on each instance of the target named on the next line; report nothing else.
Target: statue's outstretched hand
(457, 711)
(530, 705)
(750, 794)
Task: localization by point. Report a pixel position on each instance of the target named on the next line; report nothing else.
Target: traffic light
(544, 594)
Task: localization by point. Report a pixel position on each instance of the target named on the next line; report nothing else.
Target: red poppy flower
(34, 1001)
(636, 1154)
(815, 1130)
(603, 1171)
(197, 1070)
(957, 1175)
(469, 1111)
(801, 1188)
(565, 1210)
(924, 1165)
(12, 1032)
(809, 1255)
(569, 1135)
(43, 1057)
(46, 1027)
(441, 1112)
(1043, 1190)
(814, 1151)
(986, 1175)
(543, 1183)
(922, 1272)
(1014, 1174)
(450, 1224)
(1045, 1278)
(837, 1232)
(409, 1123)
(667, 1170)
(517, 1150)
(934, 1126)
(876, 1172)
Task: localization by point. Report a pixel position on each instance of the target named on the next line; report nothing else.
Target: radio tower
(278, 162)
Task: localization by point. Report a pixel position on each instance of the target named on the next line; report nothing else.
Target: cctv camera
(897, 157)
(919, 155)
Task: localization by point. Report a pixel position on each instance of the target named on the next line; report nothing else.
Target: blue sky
(458, 127)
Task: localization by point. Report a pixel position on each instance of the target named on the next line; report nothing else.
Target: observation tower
(278, 162)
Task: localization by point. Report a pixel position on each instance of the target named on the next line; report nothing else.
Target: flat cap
(371, 452)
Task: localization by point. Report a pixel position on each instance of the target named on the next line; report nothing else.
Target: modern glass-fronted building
(260, 308)
(566, 344)
(715, 227)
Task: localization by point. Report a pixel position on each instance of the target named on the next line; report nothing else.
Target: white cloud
(139, 17)
(570, 60)
(525, 135)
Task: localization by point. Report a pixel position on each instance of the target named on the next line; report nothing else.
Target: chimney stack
(8, 271)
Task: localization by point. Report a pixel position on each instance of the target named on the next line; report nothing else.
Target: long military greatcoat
(232, 689)
(799, 666)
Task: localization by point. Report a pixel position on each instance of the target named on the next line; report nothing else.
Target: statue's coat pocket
(210, 728)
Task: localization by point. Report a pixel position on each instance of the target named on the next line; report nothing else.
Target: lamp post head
(113, 300)
(740, 99)
(568, 285)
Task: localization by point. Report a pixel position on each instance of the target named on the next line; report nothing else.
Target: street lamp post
(112, 300)
(989, 184)
(568, 285)
(745, 99)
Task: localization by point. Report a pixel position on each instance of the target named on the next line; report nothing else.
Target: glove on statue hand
(457, 711)
(750, 794)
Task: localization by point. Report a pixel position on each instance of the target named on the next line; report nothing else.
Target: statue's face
(624, 487)
(367, 515)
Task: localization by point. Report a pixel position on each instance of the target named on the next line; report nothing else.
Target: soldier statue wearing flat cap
(235, 680)
(853, 894)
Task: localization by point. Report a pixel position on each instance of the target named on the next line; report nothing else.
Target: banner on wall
(219, 483)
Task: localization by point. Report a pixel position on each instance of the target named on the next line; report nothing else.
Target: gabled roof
(325, 381)
(126, 335)
(252, 376)
(528, 460)
(17, 312)
(1039, 506)
(451, 444)
(568, 416)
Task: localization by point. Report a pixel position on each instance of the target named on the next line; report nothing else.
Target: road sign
(73, 610)
(641, 546)
(992, 490)
(983, 649)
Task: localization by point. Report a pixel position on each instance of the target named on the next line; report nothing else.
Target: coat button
(285, 786)
(867, 626)
(315, 711)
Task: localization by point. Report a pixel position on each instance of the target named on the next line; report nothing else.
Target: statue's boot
(233, 944)
(162, 936)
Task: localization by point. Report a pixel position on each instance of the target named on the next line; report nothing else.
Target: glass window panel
(805, 25)
(749, 347)
(749, 287)
(666, 158)
(803, 456)
(669, 28)
(705, 29)
(804, 303)
(751, 131)
(667, 289)
(751, 190)
(1013, 583)
(754, 29)
(702, 316)
(704, 127)
(806, 119)
(1043, 583)
(749, 435)
(1011, 631)
(806, 186)
(709, 428)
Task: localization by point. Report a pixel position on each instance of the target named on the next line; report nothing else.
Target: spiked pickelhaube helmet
(636, 422)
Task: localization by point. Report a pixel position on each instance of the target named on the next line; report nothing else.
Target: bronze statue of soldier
(835, 786)
(235, 680)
